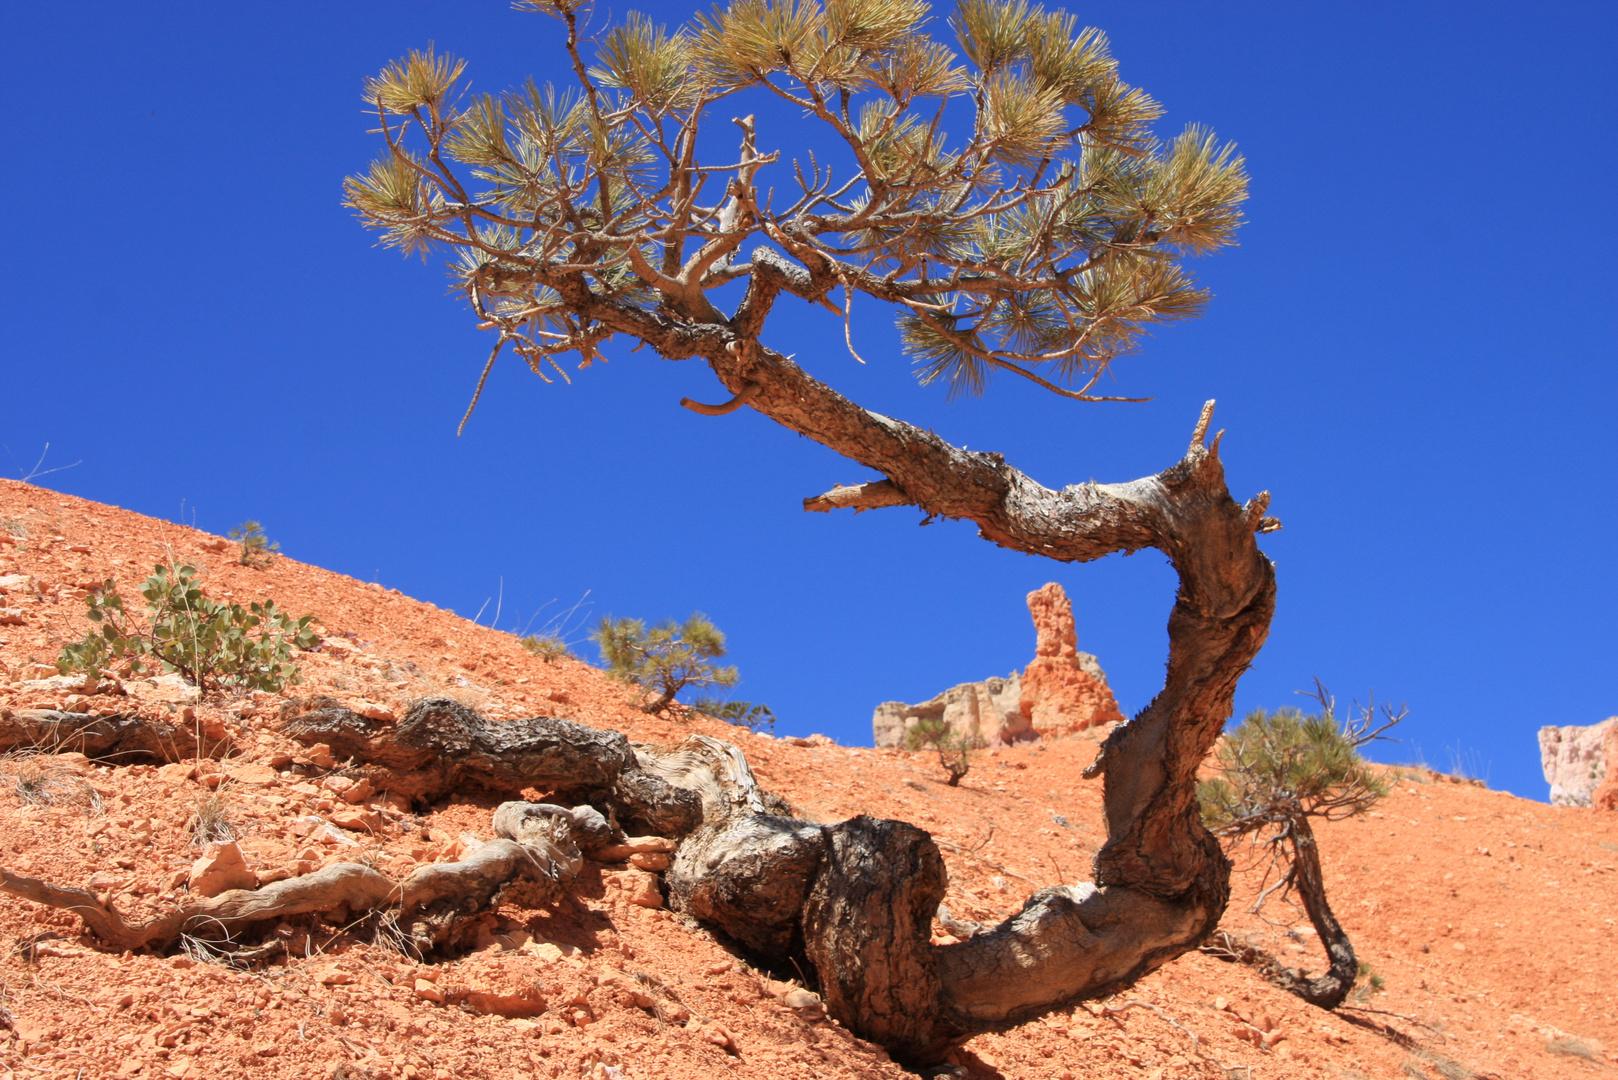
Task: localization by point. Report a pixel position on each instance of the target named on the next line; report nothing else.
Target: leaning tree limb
(855, 900)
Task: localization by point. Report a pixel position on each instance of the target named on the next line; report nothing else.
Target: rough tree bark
(121, 739)
(855, 900)
(1325, 991)
(429, 903)
(1328, 990)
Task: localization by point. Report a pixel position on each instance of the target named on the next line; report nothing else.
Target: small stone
(799, 998)
(178, 772)
(641, 889)
(255, 775)
(320, 754)
(357, 820)
(372, 711)
(543, 951)
(221, 869)
(359, 792)
(428, 992)
(650, 860)
(73, 760)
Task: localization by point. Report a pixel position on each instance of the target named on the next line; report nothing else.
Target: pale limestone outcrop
(989, 710)
(1577, 759)
(1062, 692)
(1606, 795)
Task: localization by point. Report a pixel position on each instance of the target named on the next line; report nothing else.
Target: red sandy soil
(1490, 918)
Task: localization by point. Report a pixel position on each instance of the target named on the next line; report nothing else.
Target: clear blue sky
(1413, 349)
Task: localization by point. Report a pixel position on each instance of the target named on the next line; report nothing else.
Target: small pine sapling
(1276, 771)
(954, 749)
(208, 643)
(255, 549)
(664, 660)
(548, 647)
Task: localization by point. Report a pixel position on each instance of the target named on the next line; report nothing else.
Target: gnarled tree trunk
(1328, 990)
(854, 902)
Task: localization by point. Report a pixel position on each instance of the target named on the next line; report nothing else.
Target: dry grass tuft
(211, 820)
(39, 779)
(1569, 1046)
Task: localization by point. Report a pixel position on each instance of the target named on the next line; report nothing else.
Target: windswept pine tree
(1040, 245)
(1276, 771)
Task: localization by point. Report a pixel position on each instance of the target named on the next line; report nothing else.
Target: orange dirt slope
(1491, 919)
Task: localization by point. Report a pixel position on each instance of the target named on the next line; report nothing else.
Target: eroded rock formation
(1062, 691)
(1579, 762)
(991, 709)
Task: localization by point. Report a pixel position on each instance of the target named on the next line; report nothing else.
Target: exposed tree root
(854, 902)
(1325, 991)
(123, 739)
(429, 902)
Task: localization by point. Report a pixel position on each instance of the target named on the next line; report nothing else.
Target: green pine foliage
(1042, 241)
(210, 644)
(1283, 764)
(664, 660)
(548, 647)
(954, 750)
(253, 547)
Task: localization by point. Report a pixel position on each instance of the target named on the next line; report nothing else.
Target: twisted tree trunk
(1329, 990)
(1303, 874)
(853, 902)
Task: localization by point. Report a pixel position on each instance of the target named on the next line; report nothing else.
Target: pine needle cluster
(664, 660)
(1279, 766)
(253, 547)
(1042, 242)
(954, 749)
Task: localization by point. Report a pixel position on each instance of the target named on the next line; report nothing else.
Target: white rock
(1574, 760)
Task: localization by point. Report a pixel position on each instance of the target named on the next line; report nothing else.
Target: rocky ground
(1486, 916)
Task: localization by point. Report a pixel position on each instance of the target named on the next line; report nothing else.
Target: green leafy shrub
(255, 549)
(547, 647)
(208, 643)
(741, 713)
(954, 750)
(664, 660)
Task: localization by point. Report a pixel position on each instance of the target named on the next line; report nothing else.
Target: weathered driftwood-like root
(442, 746)
(120, 739)
(855, 901)
(429, 902)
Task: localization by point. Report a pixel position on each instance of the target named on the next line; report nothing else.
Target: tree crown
(1277, 766)
(1043, 243)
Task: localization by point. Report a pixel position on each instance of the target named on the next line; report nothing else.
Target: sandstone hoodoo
(1579, 762)
(1062, 691)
